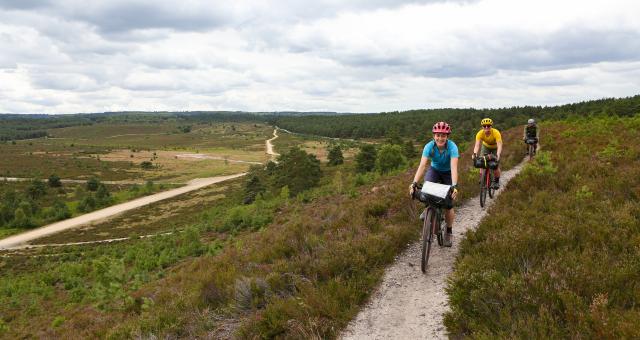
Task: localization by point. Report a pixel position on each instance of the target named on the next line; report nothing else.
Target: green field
(115, 151)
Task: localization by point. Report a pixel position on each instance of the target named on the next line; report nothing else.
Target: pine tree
(366, 158)
(335, 155)
(297, 170)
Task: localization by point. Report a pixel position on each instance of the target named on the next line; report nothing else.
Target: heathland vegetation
(559, 254)
(294, 249)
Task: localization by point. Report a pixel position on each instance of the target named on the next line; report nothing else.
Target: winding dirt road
(409, 304)
(270, 145)
(21, 240)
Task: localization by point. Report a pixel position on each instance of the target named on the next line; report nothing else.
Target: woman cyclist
(491, 144)
(443, 154)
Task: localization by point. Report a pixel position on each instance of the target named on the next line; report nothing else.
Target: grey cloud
(24, 4)
(64, 81)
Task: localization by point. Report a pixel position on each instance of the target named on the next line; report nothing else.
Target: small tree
(54, 181)
(335, 155)
(298, 170)
(36, 189)
(103, 197)
(87, 204)
(21, 219)
(252, 188)
(389, 157)
(60, 210)
(366, 158)
(409, 149)
(92, 184)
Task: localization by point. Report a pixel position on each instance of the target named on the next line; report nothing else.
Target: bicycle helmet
(531, 121)
(486, 121)
(441, 127)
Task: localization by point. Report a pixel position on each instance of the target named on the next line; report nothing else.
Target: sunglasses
(486, 126)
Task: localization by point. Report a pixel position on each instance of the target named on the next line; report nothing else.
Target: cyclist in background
(491, 144)
(531, 132)
(444, 155)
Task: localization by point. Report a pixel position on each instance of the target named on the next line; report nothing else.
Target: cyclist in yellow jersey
(491, 144)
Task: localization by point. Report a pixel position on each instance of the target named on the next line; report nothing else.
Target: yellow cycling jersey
(490, 141)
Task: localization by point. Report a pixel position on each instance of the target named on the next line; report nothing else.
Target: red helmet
(441, 127)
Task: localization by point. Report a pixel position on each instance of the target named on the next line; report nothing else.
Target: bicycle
(487, 163)
(531, 146)
(434, 201)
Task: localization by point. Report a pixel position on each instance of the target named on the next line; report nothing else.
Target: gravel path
(409, 304)
(21, 240)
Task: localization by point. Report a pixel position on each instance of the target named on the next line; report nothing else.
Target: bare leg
(448, 217)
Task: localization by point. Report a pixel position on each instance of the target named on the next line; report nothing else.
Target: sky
(71, 56)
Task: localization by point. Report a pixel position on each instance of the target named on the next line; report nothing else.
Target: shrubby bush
(389, 158)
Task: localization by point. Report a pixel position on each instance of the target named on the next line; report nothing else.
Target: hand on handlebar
(412, 189)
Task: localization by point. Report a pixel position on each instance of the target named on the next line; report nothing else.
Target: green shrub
(389, 158)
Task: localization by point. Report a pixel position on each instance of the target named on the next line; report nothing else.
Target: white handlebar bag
(436, 194)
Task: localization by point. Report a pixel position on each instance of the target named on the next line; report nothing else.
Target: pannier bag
(484, 163)
(531, 140)
(436, 194)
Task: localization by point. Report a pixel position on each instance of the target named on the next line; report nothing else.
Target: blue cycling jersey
(441, 160)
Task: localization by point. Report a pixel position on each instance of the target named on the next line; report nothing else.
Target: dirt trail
(409, 304)
(270, 145)
(20, 240)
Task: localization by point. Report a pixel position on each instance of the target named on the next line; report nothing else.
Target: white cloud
(364, 56)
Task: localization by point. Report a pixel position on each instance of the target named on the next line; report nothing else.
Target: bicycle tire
(530, 151)
(427, 236)
(438, 229)
(491, 188)
(483, 189)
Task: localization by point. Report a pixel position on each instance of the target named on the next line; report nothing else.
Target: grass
(558, 255)
(303, 269)
(70, 194)
(115, 151)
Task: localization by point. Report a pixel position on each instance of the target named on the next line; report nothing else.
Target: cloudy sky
(68, 56)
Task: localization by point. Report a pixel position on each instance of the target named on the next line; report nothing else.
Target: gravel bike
(433, 216)
(487, 164)
(531, 142)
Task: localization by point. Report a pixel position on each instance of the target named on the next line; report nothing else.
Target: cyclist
(491, 144)
(443, 154)
(531, 132)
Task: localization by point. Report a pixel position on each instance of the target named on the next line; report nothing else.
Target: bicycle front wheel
(483, 188)
(427, 237)
(490, 185)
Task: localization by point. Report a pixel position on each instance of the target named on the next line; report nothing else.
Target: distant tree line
(465, 122)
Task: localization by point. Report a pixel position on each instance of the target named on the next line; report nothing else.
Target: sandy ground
(409, 304)
(21, 240)
(270, 146)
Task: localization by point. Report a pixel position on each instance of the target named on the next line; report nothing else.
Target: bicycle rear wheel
(483, 188)
(427, 237)
(530, 151)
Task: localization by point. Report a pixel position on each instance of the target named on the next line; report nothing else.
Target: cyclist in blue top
(444, 155)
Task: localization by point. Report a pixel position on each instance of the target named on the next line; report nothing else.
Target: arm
(454, 176)
(476, 148)
(499, 149)
(419, 173)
